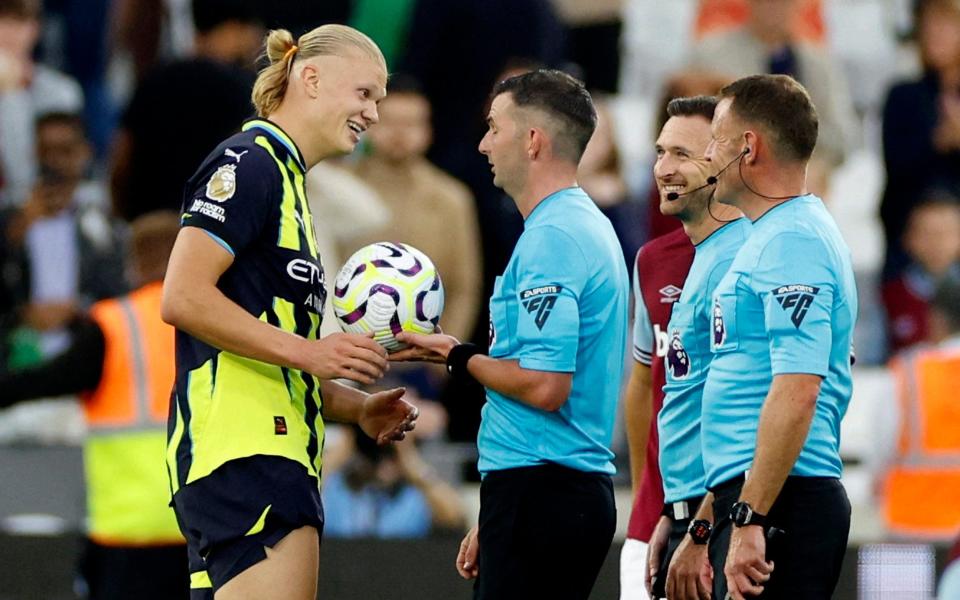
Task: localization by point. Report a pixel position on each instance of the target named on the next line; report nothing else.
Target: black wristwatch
(700, 531)
(742, 514)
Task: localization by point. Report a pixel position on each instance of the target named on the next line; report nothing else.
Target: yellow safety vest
(128, 490)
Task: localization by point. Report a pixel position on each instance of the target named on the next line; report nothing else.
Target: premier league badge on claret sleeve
(223, 184)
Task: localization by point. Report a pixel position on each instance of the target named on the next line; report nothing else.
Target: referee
(558, 328)
(779, 383)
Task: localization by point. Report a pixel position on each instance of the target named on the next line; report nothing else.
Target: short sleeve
(234, 198)
(643, 342)
(796, 283)
(551, 274)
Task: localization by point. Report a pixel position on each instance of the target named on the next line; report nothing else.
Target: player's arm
(638, 397)
(638, 410)
(384, 416)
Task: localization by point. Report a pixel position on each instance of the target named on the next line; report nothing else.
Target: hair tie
(293, 49)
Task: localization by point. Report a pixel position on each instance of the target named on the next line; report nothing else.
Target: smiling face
(503, 145)
(681, 166)
(346, 92)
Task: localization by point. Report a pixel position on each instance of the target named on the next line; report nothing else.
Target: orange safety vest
(128, 490)
(921, 493)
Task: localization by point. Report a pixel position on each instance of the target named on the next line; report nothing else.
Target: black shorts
(544, 532)
(814, 515)
(145, 573)
(246, 505)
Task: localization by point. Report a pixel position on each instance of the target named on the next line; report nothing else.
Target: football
(387, 288)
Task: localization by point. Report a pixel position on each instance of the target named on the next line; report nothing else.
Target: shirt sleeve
(551, 275)
(643, 342)
(234, 198)
(797, 285)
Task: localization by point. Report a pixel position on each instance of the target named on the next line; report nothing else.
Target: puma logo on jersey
(796, 299)
(235, 155)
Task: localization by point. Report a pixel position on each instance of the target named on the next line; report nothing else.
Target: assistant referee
(780, 381)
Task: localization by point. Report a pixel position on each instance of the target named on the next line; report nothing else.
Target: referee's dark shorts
(814, 514)
(544, 532)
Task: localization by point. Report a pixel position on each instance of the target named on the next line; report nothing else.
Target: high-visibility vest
(921, 494)
(128, 490)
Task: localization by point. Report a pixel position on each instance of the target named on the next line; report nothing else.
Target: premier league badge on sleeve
(719, 329)
(678, 362)
(223, 184)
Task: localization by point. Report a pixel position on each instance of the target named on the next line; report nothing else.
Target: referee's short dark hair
(561, 97)
(20, 9)
(780, 105)
(693, 106)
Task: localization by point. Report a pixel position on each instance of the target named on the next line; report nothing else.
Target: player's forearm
(784, 424)
(638, 411)
(205, 313)
(341, 403)
(541, 389)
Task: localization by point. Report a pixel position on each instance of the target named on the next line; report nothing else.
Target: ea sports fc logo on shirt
(796, 300)
(678, 361)
(539, 302)
(719, 329)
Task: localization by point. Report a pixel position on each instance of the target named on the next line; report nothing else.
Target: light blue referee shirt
(787, 305)
(688, 360)
(561, 306)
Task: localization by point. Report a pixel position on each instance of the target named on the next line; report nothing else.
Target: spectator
(27, 90)
(133, 548)
(920, 496)
(388, 492)
(342, 206)
(61, 250)
(431, 211)
(921, 125)
(601, 175)
(768, 44)
(932, 243)
(182, 109)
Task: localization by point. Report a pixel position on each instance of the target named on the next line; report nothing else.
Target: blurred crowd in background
(108, 106)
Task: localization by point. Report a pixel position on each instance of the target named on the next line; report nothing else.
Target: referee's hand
(746, 568)
(469, 552)
(346, 356)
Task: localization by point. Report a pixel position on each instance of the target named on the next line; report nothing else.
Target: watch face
(700, 531)
(741, 514)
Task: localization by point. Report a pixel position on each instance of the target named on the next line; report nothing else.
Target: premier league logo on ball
(719, 329)
(678, 362)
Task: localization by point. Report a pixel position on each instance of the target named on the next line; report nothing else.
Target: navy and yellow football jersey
(248, 195)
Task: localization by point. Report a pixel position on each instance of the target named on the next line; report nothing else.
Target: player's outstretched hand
(430, 348)
(346, 356)
(467, 557)
(387, 417)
